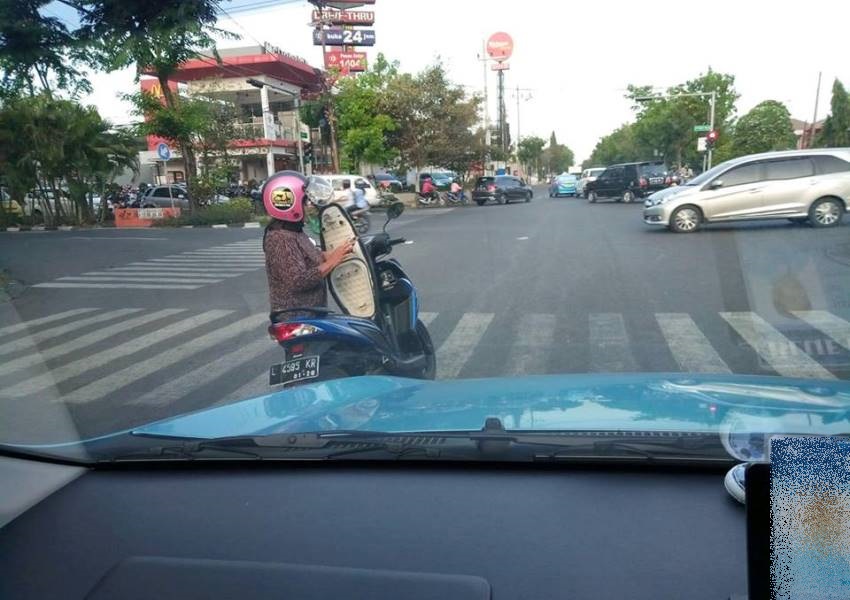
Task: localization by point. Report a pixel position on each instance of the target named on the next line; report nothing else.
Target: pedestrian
(295, 267)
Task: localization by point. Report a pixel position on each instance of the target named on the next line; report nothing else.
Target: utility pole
(503, 141)
(329, 109)
(711, 123)
(815, 117)
(484, 60)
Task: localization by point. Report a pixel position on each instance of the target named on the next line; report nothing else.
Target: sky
(577, 58)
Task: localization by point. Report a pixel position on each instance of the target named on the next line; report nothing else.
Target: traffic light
(711, 138)
(308, 153)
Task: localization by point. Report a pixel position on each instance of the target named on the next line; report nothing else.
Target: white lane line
(173, 356)
(99, 359)
(826, 322)
(30, 361)
(779, 352)
(609, 344)
(688, 344)
(199, 269)
(174, 389)
(535, 336)
(427, 317)
(38, 337)
(9, 330)
(147, 275)
(458, 347)
(112, 286)
(120, 277)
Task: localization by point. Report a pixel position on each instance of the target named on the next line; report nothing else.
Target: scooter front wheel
(427, 346)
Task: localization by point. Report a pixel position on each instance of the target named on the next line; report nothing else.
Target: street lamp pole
(711, 123)
(297, 101)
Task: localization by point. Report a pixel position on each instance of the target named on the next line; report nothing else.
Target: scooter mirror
(394, 210)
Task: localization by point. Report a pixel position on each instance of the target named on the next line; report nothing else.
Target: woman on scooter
(295, 267)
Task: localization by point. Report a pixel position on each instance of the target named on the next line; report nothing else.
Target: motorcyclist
(295, 267)
(427, 189)
(457, 190)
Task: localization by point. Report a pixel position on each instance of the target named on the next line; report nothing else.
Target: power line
(260, 5)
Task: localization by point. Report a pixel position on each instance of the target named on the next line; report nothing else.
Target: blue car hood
(668, 402)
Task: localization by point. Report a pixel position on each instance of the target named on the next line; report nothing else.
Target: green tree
(37, 52)
(616, 147)
(765, 128)
(557, 157)
(836, 127)
(156, 38)
(530, 153)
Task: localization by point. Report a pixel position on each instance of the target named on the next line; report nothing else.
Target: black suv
(628, 181)
(502, 189)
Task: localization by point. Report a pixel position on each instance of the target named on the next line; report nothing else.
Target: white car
(354, 180)
(587, 176)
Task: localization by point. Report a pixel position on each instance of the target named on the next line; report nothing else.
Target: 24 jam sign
(344, 37)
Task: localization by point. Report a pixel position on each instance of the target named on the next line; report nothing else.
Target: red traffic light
(712, 135)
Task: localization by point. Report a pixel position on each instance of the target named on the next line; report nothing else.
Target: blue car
(564, 185)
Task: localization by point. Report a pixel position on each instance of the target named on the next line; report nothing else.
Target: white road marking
(534, 338)
(187, 269)
(208, 261)
(458, 347)
(116, 239)
(174, 389)
(826, 322)
(190, 276)
(138, 279)
(122, 378)
(9, 330)
(83, 365)
(779, 352)
(427, 317)
(110, 286)
(609, 344)
(688, 344)
(30, 361)
(522, 238)
(38, 337)
(256, 386)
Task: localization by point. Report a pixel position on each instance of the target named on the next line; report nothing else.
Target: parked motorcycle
(378, 330)
(430, 199)
(453, 198)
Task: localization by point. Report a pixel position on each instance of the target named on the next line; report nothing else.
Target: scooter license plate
(299, 369)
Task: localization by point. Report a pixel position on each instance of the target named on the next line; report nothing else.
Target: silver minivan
(799, 185)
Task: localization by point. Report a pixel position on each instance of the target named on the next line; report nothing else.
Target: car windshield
(219, 221)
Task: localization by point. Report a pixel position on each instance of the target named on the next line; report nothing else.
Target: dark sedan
(502, 189)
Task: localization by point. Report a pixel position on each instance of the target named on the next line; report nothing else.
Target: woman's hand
(335, 256)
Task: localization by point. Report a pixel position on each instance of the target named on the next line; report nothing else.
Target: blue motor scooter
(378, 330)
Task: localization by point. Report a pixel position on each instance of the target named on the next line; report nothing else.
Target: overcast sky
(578, 57)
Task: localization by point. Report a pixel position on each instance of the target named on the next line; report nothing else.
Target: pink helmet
(283, 196)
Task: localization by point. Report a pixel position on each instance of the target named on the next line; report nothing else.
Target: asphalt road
(107, 329)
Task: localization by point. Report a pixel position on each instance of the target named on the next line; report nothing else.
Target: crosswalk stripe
(120, 277)
(207, 261)
(9, 330)
(221, 253)
(688, 344)
(778, 351)
(191, 276)
(38, 337)
(83, 365)
(427, 317)
(119, 379)
(30, 361)
(825, 322)
(535, 335)
(258, 385)
(458, 347)
(110, 286)
(609, 343)
(186, 269)
(175, 389)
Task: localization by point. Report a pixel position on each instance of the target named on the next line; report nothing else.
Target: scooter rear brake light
(287, 331)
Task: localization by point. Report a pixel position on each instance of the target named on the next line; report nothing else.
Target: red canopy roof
(280, 66)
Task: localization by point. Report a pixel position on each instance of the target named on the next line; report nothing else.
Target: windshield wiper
(492, 443)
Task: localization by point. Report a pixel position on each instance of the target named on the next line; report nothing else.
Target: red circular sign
(500, 46)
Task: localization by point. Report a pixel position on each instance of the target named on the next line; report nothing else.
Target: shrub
(238, 210)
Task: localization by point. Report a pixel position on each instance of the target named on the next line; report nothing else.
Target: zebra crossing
(187, 270)
(148, 359)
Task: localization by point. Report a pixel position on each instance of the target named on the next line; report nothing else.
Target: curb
(252, 225)
(219, 226)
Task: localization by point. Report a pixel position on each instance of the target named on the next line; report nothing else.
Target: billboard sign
(500, 66)
(344, 17)
(346, 62)
(344, 37)
(500, 46)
